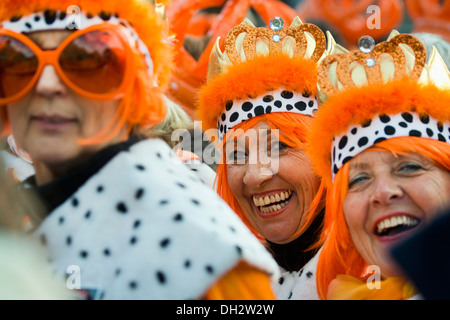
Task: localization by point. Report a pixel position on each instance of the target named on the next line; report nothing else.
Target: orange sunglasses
(96, 62)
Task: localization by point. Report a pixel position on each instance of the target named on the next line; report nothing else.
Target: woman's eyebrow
(357, 165)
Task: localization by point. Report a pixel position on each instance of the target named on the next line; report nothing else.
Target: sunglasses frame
(50, 57)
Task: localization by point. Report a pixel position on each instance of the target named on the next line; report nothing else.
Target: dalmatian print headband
(274, 101)
(382, 127)
(60, 20)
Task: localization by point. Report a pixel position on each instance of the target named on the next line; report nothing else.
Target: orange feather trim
(254, 78)
(355, 105)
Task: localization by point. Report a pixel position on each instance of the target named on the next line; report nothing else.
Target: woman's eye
(237, 155)
(356, 180)
(410, 167)
(278, 146)
(282, 145)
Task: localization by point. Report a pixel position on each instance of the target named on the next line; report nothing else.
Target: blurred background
(194, 26)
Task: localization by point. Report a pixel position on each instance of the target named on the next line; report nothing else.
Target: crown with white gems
(245, 42)
(301, 45)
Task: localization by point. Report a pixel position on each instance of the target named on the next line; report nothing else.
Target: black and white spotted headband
(274, 101)
(382, 127)
(60, 20)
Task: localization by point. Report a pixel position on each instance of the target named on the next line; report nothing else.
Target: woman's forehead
(253, 134)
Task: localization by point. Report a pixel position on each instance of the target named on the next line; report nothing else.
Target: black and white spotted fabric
(204, 172)
(73, 20)
(274, 101)
(145, 227)
(382, 127)
(298, 285)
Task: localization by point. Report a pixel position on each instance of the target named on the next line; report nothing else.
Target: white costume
(143, 226)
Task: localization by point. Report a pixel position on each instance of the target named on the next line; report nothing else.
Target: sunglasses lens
(95, 62)
(18, 65)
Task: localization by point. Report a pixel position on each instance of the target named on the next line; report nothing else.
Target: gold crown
(401, 55)
(245, 42)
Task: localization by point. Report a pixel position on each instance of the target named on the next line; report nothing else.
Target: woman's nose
(49, 84)
(386, 190)
(257, 174)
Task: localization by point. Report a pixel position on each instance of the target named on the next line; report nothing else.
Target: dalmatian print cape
(145, 227)
(298, 285)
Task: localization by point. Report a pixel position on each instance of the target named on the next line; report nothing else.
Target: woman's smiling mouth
(395, 225)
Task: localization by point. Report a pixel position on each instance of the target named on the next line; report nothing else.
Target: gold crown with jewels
(399, 56)
(245, 42)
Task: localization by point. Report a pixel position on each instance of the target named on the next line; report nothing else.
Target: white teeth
(396, 221)
(274, 198)
(272, 208)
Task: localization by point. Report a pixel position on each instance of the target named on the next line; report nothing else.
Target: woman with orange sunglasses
(79, 83)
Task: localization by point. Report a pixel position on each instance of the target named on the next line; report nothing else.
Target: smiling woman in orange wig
(261, 98)
(381, 141)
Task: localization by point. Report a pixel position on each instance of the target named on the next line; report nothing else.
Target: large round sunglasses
(96, 62)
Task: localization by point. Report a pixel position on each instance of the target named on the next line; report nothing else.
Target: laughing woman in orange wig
(260, 97)
(381, 141)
